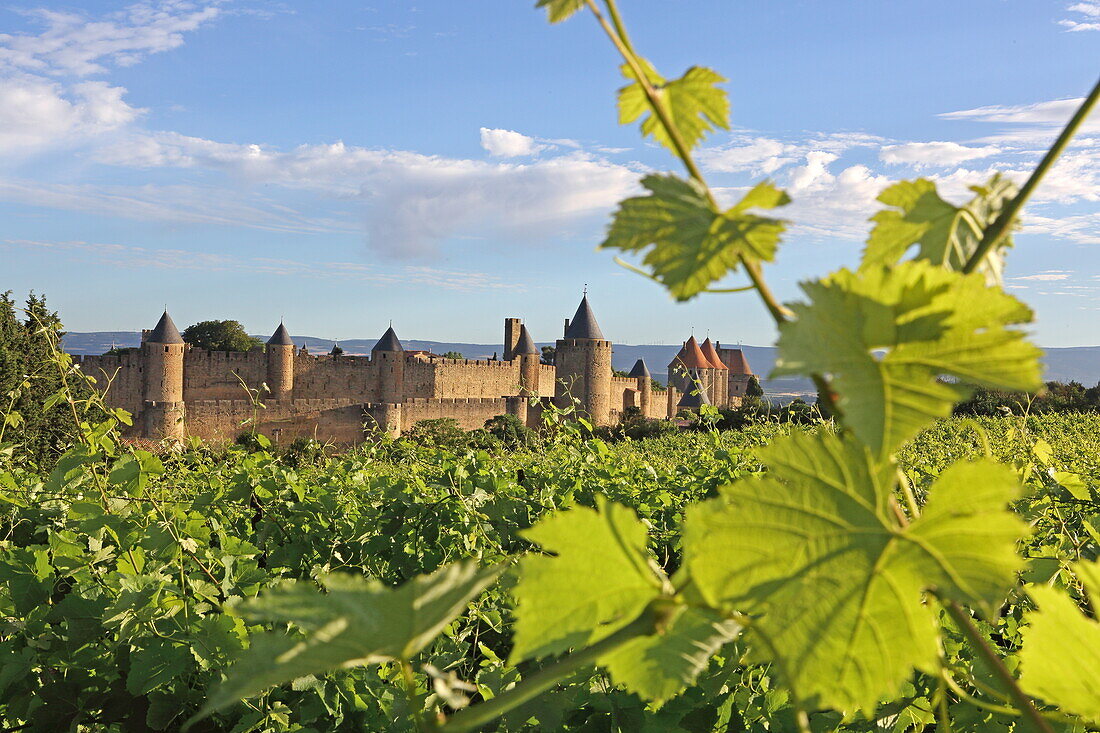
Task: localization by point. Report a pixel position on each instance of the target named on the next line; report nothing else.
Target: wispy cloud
(74, 44)
(1085, 17)
(934, 154)
(134, 257)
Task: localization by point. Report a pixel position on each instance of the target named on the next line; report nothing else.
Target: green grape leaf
(600, 578)
(559, 10)
(1060, 659)
(692, 244)
(156, 664)
(660, 666)
(946, 234)
(886, 336)
(694, 101)
(815, 548)
(356, 622)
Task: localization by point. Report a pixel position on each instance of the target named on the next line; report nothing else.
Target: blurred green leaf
(690, 244)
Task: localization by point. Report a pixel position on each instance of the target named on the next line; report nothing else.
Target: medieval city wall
(469, 413)
(466, 378)
(123, 373)
(548, 376)
(333, 419)
(323, 377)
(209, 375)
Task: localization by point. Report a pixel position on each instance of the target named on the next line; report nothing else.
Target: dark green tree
(509, 430)
(29, 376)
(453, 355)
(219, 336)
(754, 389)
(548, 355)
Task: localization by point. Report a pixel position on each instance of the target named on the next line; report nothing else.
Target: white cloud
(933, 154)
(757, 155)
(72, 44)
(1090, 20)
(409, 202)
(37, 113)
(761, 155)
(508, 143)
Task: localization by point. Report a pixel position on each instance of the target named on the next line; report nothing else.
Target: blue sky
(340, 164)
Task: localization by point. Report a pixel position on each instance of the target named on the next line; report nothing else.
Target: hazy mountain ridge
(1080, 363)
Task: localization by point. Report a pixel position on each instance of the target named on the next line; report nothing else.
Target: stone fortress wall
(174, 390)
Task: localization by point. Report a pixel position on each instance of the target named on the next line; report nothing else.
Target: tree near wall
(453, 355)
(219, 336)
(548, 355)
(29, 376)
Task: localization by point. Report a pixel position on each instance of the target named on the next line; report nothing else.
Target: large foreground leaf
(947, 235)
(814, 547)
(356, 622)
(694, 101)
(886, 335)
(692, 244)
(600, 578)
(1060, 659)
(660, 666)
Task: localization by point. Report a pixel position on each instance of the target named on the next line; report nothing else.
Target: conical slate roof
(583, 325)
(165, 332)
(526, 344)
(388, 342)
(712, 355)
(693, 356)
(281, 337)
(694, 395)
(640, 369)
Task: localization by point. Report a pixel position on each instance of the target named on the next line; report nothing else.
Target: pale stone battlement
(174, 389)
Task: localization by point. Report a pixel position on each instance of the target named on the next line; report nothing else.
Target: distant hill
(1080, 363)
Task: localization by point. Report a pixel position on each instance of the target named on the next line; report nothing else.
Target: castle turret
(280, 363)
(162, 352)
(739, 374)
(528, 355)
(388, 357)
(719, 385)
(645, 385)
(694, 396)
(583, 360)
(512, 328)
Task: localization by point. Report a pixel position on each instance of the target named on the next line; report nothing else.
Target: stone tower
(388, 357)
(583, 360)
(719, 390)
(280, 363)
(162, 353)
(693, 373)
(512, 328)
(739, 374)
(645, 385)
(528, 355)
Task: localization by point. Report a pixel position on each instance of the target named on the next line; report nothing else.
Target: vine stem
(1003, 222)
(474, 717)
(777, 310)
(970, 631)
(410, 692)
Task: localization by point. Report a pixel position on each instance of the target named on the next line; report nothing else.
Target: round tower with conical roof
(388, 357)
(280, 363)
(528, 355)
(583, 361)
(645, 385)
(719, 385)
(162, 375)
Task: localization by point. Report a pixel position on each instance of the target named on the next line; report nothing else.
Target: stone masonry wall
(470, 413)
